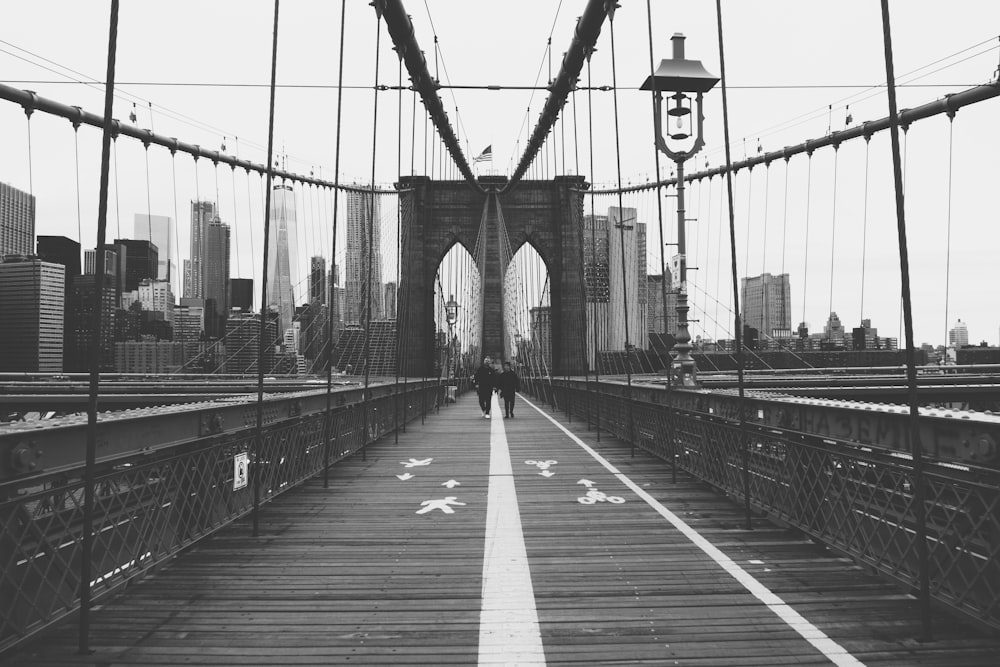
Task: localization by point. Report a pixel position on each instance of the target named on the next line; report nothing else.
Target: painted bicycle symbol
(595, 496)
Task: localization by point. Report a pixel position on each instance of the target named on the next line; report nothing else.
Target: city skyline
(771, 107)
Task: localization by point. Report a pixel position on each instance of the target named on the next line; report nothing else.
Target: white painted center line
(508, 621)
(836, 653)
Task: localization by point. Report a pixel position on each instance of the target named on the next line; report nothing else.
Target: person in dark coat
(484, 382)
(509, 384)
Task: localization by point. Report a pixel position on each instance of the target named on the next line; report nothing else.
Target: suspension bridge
(268, 449)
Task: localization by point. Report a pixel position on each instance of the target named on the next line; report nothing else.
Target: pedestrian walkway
(509, 541)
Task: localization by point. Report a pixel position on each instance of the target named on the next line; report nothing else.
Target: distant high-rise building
(141, 261)
(60, 250)
(766, 302)
(390, 300)
(156, 296)
(160, 229)
(202, 213)
(958, 335)
(242, 339)
(282, 257)
(363, 279)
(189, 320)
(215, 283)
(541, 338)
(241, 294)
(317, 279)
(32, 302)
(17, 221)
(595, 274)
(662, 318)
(81, 304)
(833, 331)
(627, 287)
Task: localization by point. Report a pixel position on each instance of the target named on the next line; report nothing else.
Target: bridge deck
(354, 574)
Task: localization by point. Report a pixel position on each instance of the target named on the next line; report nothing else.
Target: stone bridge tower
(439, 214)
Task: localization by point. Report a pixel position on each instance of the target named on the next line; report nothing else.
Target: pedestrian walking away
(484, 381)
(509, 384)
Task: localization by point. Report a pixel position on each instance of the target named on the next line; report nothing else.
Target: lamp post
(451, 316)
(684, 78)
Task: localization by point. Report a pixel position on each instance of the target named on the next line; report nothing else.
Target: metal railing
(836, 470)
(158, 493)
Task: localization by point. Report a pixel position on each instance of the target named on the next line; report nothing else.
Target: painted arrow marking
(546, 473)
(405, 476)
(451, 484)
(586, 482)
(415, 463)
(443, 504)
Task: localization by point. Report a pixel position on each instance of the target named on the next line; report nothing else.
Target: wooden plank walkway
(355, 574)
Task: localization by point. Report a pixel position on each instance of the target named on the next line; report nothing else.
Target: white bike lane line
(508, 619)
(836, 653)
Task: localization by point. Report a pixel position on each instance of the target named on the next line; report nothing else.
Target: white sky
(787, 61)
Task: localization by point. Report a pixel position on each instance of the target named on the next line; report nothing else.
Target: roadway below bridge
(509, 541)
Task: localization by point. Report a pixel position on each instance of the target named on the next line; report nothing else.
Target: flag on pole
(485, 156)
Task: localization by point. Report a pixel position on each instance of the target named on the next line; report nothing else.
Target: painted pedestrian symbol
(594, 496)
(443, 504)
(416, 463)
(543, 466)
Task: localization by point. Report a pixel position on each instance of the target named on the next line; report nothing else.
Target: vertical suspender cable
(370, 241)
(947, 253)
(593, 242)
(805, 269)
(736, 294)
(89, 497)
(833, 224)
(784, 239)
(911, 367)
(328, 422)
(864, 229)
(257, 459)
(610, 5)
(79, 214)
(399, 245)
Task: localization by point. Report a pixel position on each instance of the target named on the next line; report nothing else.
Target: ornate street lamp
(684, 78)
(451, 316)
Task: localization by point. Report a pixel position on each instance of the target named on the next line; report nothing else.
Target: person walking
(484, 380)
(509, 385)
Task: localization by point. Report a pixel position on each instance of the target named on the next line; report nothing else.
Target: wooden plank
(352, 574)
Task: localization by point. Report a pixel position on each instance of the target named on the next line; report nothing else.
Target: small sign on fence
(241, 462)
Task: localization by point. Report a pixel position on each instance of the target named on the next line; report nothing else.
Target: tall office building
(141, 261)
(81, 304)
(595, 274)
(390, 300)
(282, 258)
(161, 231)
(156, 296)
(317, 279)
(766, 301)
(661, 315)
(32, 306)
(363, 278)
(60, 250)
(241, 294)
(242, 340)
(958, 335)
(17, 221)
(215, 283)
(834, 330)
(626, 244)
(202, 213)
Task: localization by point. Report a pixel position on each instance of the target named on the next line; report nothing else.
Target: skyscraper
(282, 256)
(627, 287)
(81, 304)
(32, 305)
(17, 221)
(215, 282)
(241, 294)
(958, 335)
(363, 288)
(317, 279)
(766, 301)
(141, 261)
(160, 229)
(202, 213)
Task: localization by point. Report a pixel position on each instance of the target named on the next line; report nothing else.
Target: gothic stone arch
(438, 214)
